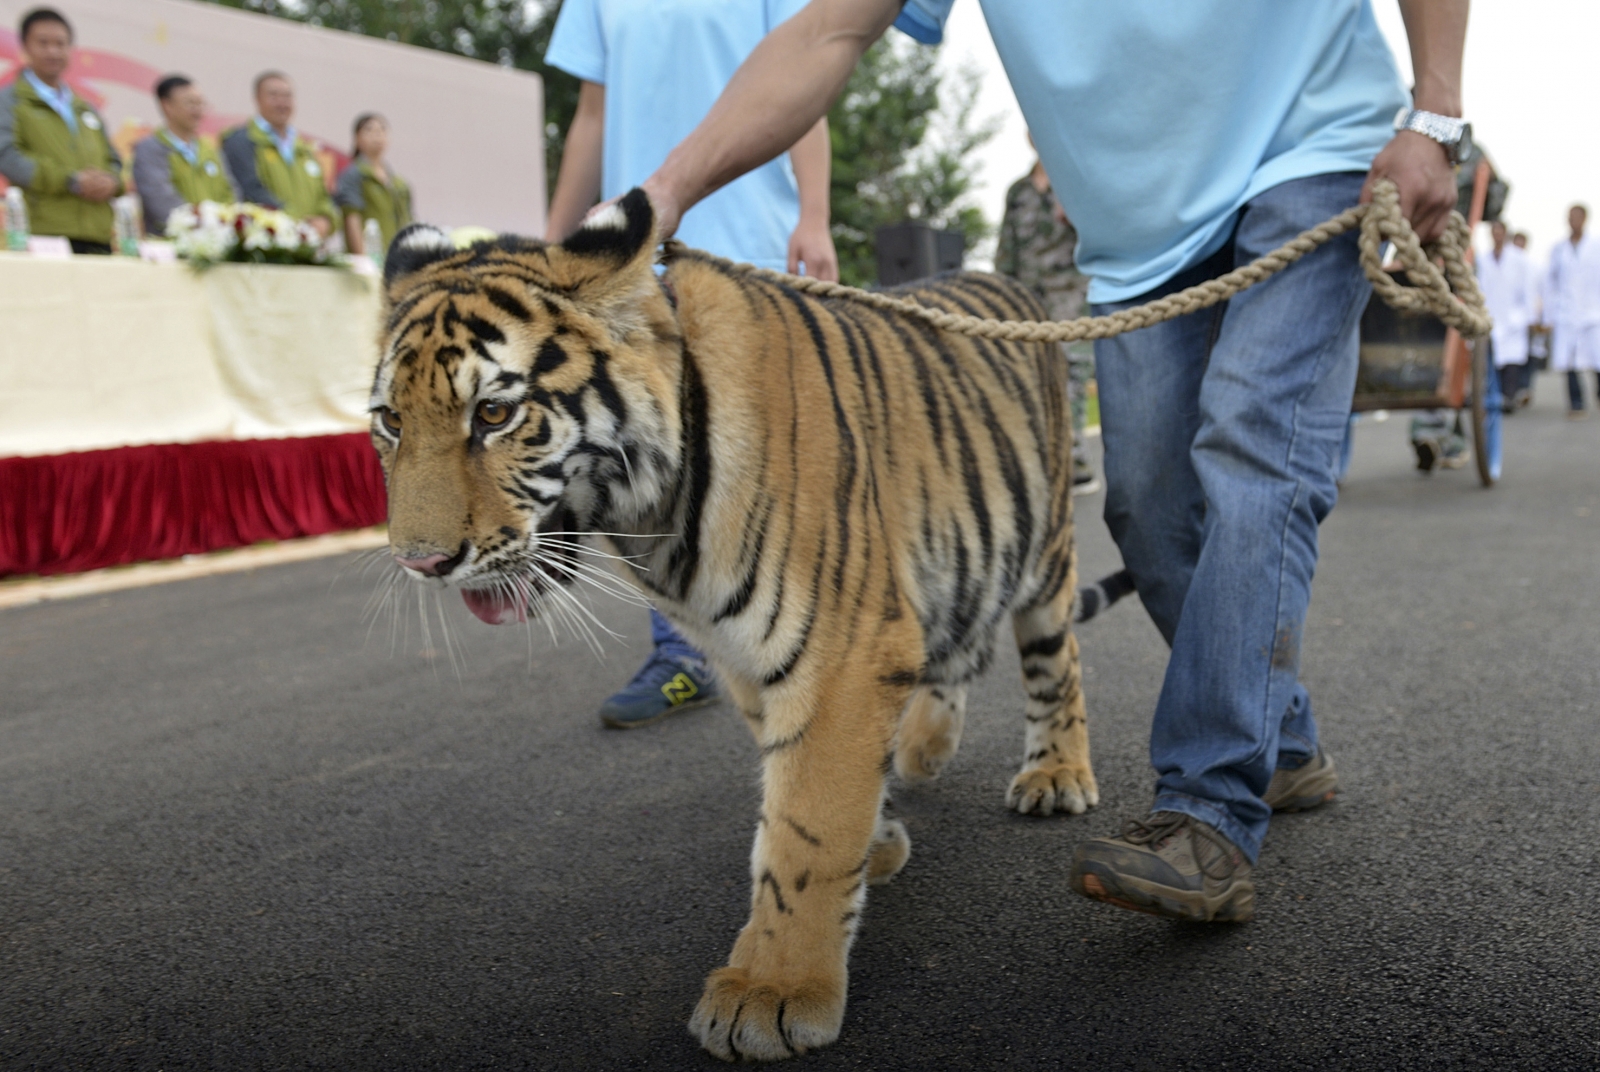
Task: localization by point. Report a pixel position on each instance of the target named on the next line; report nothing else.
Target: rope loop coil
(1450, 293)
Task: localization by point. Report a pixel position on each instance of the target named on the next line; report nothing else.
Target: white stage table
(148, 412)
(100, 352)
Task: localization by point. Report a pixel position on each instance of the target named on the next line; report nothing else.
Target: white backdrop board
(469, 136)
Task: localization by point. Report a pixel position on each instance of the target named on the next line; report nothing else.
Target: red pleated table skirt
(65, 513)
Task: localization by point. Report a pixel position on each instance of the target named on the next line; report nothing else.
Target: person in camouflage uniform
(1037, 248)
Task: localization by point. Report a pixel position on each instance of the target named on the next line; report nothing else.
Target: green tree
(513, 33)
(904, 135)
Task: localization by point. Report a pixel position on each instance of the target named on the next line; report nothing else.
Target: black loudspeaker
(912, 250)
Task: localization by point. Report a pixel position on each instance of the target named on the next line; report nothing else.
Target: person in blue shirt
(1184, 140)
(649, 71)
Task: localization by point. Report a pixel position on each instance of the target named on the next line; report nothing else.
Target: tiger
(838, 505)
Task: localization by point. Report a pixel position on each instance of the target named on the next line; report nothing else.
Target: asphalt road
(238, 830)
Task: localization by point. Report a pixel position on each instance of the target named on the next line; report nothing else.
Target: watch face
(1464, 144)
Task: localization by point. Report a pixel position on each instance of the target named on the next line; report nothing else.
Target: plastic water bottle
(372, 242)
(16, 220)
(125, 227)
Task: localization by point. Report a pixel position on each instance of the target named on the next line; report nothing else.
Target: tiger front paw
(1068, 787)
(745, 1019)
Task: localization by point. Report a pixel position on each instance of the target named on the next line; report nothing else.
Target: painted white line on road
(21, 593)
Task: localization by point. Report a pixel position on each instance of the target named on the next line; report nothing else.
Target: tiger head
(525, 393)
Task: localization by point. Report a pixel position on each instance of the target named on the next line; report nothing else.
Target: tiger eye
(493, 413)
(390, 419)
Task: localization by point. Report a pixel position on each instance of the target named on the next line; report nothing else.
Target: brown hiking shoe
(1168, 865)
(1310, 785)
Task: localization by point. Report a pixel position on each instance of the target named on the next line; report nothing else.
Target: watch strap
(1443, 129)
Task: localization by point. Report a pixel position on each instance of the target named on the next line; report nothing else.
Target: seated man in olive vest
(53, 144)
(173, 167)
(272, 164)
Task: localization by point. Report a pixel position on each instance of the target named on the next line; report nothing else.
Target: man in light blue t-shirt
(1184, 140)
(649, 72)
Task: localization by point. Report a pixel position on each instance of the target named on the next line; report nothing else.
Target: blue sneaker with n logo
(663, 686)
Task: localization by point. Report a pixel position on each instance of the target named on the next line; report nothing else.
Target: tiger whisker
(608, 583)
(363, 561)
(373, 556)
(595, 552)
(380, 601)
(517, 586)
(603, 573)
(377, 599)
(627, 467)
(583, 612)
(422, 621)
(397, 619)
(549, 622)
(571, 625)
(617, 535)
(574, 614)
(603, 578)
(457, 660)
(527, 629)
(552, 611)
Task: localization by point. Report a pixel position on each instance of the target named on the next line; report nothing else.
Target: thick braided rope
(1380, 221)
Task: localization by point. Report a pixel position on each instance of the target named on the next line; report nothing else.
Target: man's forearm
(1437, 32)
(775, 96)
(582, 158)
(1418, 165)
(812, 159)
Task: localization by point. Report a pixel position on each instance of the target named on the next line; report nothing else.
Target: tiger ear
(609, 262)
(618, 234)
(416, 246)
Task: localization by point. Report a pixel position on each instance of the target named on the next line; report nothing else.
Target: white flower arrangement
(210, 234)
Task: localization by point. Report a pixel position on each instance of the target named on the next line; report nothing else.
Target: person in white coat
(1572, 309)
(1539, 332)
(1509, 290)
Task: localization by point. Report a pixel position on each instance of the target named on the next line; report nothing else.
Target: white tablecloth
(107, 351)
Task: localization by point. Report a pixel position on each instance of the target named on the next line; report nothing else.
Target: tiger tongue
(496, 608)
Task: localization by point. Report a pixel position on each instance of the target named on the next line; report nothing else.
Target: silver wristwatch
(1454, 134)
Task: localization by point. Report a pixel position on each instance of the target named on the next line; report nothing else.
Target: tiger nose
(435, 565)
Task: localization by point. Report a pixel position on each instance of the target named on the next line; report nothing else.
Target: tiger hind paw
(891, 848)
(930, 732)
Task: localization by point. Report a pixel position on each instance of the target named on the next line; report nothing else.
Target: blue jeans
(669, 642)
(1222, 432)
(1346, 449)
